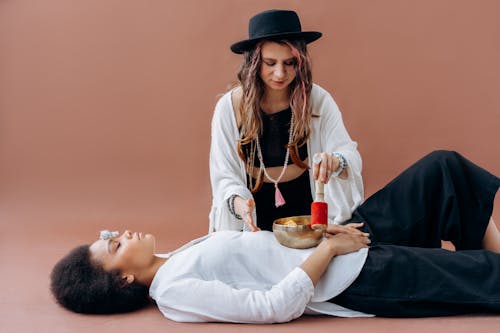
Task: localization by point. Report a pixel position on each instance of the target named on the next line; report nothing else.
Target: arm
(198, 300)
(340, 240)
(227, 174)
(335, 138)
(345, 193)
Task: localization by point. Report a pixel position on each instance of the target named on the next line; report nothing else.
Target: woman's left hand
(344, 243)
(324, 164)
(351, 229)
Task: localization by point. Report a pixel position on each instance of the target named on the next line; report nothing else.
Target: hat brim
(248, 44)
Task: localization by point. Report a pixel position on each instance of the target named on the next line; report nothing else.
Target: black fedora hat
(274, 24)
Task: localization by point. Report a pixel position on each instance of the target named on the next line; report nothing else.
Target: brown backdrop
(105, 107)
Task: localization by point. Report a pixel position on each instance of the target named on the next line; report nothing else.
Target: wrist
(342, 164)
(329, 247)
(230, 206)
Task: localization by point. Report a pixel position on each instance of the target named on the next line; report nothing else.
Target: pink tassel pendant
(278, 197)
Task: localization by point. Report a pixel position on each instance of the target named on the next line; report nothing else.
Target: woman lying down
(386, 261)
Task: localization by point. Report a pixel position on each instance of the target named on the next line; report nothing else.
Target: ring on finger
(317, 159)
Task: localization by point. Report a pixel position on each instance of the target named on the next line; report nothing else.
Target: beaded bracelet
(342, 164)
(230, 206)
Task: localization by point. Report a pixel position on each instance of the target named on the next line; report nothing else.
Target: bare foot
(491, 240)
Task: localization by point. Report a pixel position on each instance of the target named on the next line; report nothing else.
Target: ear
(127, 279)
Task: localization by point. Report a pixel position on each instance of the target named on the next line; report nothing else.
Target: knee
(439, 158)
(442, 155)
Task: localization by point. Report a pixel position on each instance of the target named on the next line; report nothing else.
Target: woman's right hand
(245, 209)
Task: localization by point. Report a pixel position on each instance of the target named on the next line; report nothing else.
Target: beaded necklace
(278, 197)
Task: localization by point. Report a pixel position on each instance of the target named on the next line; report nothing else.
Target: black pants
(441, 197)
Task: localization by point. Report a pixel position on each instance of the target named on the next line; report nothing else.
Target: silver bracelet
(342, 164)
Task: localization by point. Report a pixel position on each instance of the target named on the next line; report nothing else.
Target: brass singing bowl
(296, 232)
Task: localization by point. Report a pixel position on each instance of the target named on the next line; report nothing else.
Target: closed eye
(116, 246)
(290, 62)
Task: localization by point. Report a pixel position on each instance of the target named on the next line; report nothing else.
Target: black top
(274, 139)
(297, 192)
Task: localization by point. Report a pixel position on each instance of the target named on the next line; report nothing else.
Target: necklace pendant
(278, 197)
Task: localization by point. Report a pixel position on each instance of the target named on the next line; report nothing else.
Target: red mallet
(319, 208)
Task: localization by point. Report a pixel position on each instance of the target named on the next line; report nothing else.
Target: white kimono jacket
(328, 134)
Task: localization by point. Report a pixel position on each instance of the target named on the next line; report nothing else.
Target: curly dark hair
(81, 285)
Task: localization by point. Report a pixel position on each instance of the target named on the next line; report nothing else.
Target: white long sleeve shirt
(328, 134)
(248, 278)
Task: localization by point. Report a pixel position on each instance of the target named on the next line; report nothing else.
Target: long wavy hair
(253, 89)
